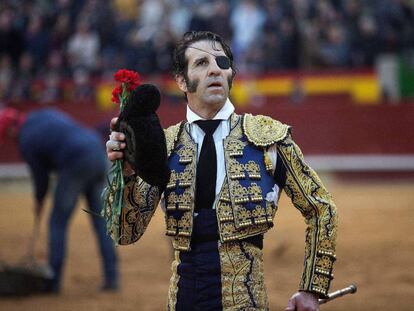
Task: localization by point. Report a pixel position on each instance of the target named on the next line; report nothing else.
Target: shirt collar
(223, 114)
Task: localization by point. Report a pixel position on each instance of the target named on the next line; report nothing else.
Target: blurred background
(341, 72)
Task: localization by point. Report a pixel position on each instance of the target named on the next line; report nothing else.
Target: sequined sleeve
(141, 200)
(310, 197)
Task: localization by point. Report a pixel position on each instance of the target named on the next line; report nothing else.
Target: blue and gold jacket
(242, 207)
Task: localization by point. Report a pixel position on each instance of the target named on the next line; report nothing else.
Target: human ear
(179, 79)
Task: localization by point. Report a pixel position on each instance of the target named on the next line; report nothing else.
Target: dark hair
(180, 63)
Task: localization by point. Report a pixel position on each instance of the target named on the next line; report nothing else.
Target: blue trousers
(216, 276)
(86, 178)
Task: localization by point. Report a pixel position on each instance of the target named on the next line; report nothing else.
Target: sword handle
(351, 289)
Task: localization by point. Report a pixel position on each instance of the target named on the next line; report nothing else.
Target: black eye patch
(223, 62)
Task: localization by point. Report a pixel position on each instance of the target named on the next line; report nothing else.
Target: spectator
(200, 17)
(289, 43)
(163, 46)
(150, 18)
(246, 12)
(23, 79)
(179, 18)
(83, 47)
(11, 40)
(6, 74)
(366, 45)
(37, 41)
(83, 89)
(51, 92)
(219, 21)
(60, 32)
(271, 52)
(334, 49)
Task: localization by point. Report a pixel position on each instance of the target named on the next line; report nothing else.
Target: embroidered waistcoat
(241, 207)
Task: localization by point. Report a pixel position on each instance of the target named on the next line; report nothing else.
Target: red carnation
(129, 81)
(116, 93)
(127, 76)
(131, 86)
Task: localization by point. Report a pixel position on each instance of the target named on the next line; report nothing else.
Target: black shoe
(109, 287)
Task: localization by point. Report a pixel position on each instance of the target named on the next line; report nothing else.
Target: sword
(351, 289)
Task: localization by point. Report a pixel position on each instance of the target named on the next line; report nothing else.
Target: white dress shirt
(222, 131)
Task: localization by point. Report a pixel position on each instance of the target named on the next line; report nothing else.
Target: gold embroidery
(235, 148)
(171, 136)
(255, 193)
(244, 216)
(111, 198)
(226, 212)
(268, 162)
(324, 264)
(311, 198)
(235, 169)
(320, 283)
(175, 278)
(259, 215)
(186, 178)
(253, 170)
(235, 126)
(141, 200)
(271, 209)
(184, 224)
(181, 243)
(185, 201)
(228, 231)
(240, 193)
(225, 197)
(171, 226)
(186, 155)
(242, 277)
(263, 131)
(172, 183)
(244, 221)
(172, 201)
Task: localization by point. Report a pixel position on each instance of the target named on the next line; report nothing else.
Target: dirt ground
(375, 251)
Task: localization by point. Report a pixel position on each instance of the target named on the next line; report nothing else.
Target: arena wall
(335, 127)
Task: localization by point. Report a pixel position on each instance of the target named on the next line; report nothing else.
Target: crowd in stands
(44, 43)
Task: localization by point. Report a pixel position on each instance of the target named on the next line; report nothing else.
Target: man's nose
(213, 68)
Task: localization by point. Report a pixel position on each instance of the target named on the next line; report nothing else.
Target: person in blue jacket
(52, 142)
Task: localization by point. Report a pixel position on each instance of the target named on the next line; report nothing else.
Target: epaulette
(171, 136)
(263, 131)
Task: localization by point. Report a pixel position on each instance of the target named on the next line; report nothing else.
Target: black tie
(206, 167)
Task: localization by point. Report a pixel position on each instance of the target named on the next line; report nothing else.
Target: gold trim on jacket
(311, 198)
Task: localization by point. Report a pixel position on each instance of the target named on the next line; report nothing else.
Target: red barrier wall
(321, 125)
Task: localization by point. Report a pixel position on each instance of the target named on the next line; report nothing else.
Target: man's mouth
(215, 85)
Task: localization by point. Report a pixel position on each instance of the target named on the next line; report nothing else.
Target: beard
(192, 85)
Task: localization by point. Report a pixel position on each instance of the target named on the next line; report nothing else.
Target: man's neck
(223, 114)
(206, 111)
